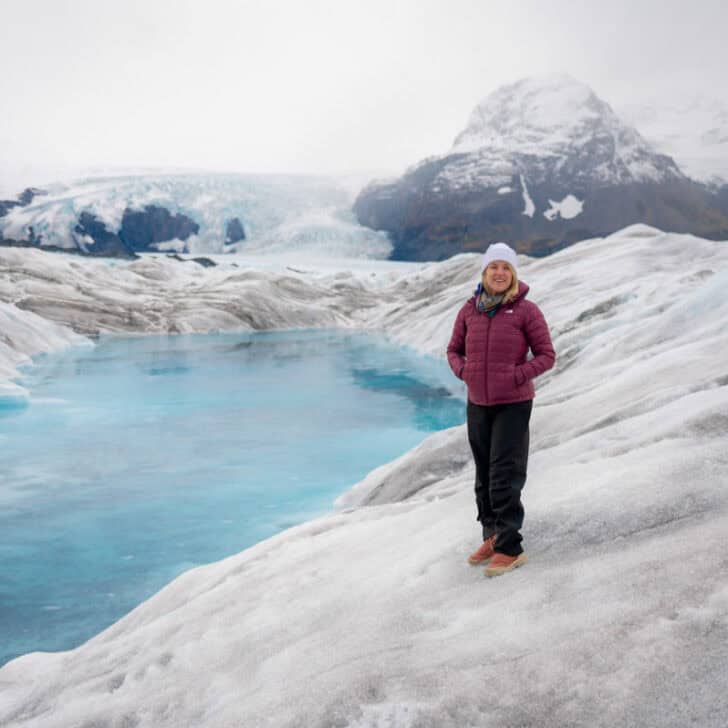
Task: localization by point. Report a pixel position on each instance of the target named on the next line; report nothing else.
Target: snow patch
(529, 208)
(568, 208)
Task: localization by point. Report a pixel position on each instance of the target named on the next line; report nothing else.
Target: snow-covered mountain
(371, 616)
(541, 163)
(553, 126)
(692, 130)
(194, 213)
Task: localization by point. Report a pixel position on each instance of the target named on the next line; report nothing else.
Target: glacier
(279, 213)
(370, 616)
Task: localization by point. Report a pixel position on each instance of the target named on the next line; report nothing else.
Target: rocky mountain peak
(531, 112)
(538, 125)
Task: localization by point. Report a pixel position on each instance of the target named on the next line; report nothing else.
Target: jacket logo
(509, 310)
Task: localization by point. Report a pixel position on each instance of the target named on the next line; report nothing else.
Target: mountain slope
(692, 129)
(541, 164)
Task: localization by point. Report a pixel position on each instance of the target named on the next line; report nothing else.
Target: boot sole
(498, 570)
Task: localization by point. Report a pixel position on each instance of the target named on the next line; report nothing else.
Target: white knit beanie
(500, 251)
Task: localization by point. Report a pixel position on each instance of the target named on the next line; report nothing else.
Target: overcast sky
(313, 85)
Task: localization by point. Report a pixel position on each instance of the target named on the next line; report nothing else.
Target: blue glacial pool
(142, 457)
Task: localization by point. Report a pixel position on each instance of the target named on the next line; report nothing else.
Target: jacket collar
(522, 292)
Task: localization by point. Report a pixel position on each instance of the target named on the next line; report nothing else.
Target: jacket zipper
(488, 323)
(487, 350)
(487, 339)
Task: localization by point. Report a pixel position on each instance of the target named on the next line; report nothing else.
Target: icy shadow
(430, 411)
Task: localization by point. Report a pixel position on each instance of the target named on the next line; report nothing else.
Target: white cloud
(317, 86)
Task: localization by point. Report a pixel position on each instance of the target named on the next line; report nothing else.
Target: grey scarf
(488, 303)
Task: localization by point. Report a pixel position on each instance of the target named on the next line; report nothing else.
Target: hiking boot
(483, 553)
(503, 562)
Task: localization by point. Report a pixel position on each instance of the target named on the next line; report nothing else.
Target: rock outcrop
(24, 198)
(95, 239)
(234, 231)
(144, 230)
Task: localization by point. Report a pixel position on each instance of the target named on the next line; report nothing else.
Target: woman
(492, 335)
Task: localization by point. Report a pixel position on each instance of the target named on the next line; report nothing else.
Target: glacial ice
(280, 213)
(371, 616)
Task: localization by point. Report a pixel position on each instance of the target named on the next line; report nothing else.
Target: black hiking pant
(498, 436)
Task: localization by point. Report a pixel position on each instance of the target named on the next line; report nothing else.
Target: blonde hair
(512, 291)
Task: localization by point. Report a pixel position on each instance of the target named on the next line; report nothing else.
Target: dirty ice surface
(372, 617)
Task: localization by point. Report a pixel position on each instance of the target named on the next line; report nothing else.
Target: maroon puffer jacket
(489, 354)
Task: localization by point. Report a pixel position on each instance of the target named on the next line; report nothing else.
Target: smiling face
(497, 277)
